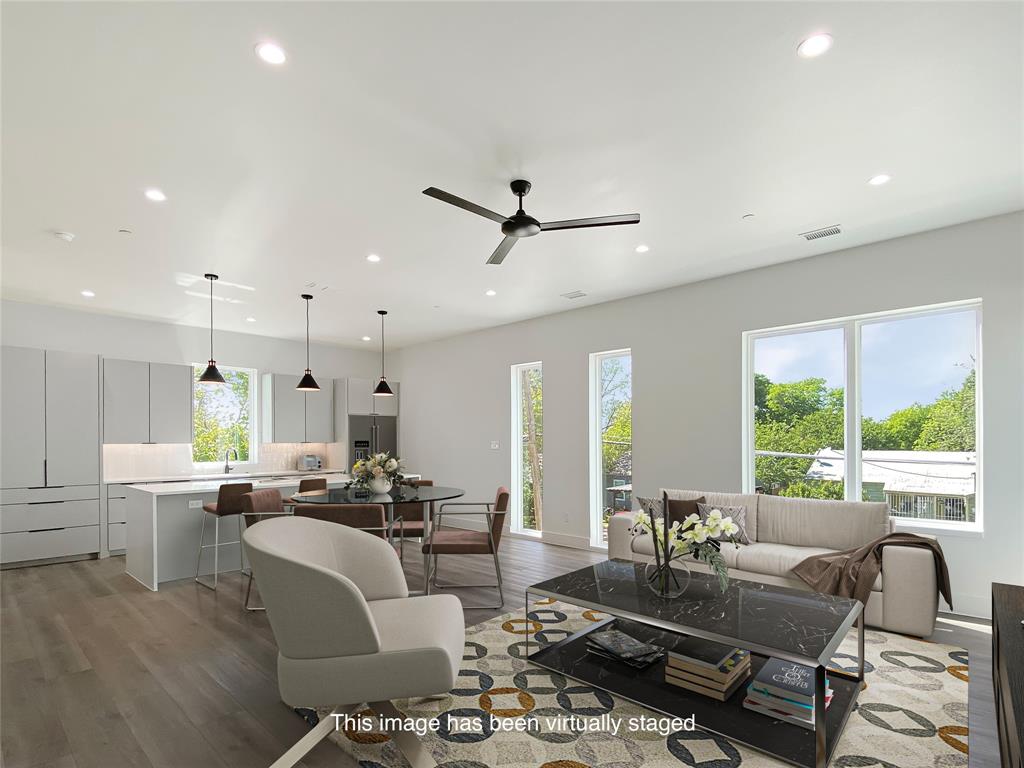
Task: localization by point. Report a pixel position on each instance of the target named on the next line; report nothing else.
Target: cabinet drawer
(117, 535)
(37, 545)
(58, 514)
(116, 510)
(116, 491)
(57, 493)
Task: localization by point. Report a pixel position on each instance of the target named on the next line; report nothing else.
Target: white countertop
(280, 480)
(222, 476)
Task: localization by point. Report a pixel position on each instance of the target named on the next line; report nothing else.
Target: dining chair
(308, 484)
(256, 506)
(465, 542)
(411, 513)
(229, 502)
(346, 629)
(366, 517)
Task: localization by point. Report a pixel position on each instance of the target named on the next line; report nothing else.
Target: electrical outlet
(195, 503)
(494, 445)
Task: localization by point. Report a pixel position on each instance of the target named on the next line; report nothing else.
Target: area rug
(912, 714)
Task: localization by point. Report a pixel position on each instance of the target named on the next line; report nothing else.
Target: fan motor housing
(520, 225)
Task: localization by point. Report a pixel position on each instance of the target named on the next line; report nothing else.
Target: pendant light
(211, 375)
(382, 389)
(307, 383)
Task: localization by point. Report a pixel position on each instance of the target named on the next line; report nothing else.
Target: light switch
(494, 445)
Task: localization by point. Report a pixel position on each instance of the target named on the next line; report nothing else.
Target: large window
(611, 439)
(222, 416)
(879, 408)
(527, 447)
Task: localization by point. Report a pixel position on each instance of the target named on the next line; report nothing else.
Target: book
(740, 672)
(713, 693)
(785, 705)
(755, 706)
(740, 659)
(637, 662)
(620, 645)
(787, 680)
(703, 653)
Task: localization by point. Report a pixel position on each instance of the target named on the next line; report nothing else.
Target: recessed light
(250, 319)
(815, 45)
(88, 294)
(156, 195)
(373, 257)
(880, 179)
(490, 293)
(367, 338)
(67, 237)
(642, 248)
(271, 52)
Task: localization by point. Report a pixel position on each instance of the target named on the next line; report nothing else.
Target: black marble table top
(803, 626)
(398, 495)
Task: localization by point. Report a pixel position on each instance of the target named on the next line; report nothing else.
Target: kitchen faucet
(227, 453)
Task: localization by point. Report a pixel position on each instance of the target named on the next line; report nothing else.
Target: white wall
(686, 344)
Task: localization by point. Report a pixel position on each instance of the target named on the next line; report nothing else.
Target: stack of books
(618, 646)
(707, 668)
(785, 690)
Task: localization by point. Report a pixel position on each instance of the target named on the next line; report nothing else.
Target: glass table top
(760, 617)
(400, 494)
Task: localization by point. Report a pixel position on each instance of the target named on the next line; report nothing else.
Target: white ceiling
(689, 114)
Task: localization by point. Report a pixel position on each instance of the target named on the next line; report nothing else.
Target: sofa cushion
(780, 559)
(644, 545)
(738, 515)
(680, 509)
(820, 522)
(748, 500)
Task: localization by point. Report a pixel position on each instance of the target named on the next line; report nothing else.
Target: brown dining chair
(229, 502)
(256, 506)
(463, 542)
(365, 517)
(411, 513)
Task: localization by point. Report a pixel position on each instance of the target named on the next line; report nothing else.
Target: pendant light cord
(382, 346)
(307, 335)
(211, 319)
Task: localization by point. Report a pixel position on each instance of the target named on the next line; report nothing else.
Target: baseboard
(556, 539)
(565, 540)
(979, 606)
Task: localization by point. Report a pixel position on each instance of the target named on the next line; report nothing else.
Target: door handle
(44, 530)
(34, 503)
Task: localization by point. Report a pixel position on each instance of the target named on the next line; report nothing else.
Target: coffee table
(790, 624)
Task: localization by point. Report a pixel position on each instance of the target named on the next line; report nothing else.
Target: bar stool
(309, 484)
(255, 506)
(229, 502)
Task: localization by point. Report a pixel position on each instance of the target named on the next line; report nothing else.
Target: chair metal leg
(318, 733)
(248, 592)
(217, 544)
(407, 741)
(498, 585)
(199, 554)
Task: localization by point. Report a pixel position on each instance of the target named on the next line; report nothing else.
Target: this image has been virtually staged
(512, 385)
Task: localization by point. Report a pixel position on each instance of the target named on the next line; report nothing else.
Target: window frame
(516, 444)
(596, 452)
(254, 432)
(852, 326)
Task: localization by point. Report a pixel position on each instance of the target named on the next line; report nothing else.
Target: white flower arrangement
(377, 466)
(693, 536)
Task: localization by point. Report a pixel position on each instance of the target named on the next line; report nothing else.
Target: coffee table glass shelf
(767, 620)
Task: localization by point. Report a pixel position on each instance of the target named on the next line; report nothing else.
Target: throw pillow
(680, 509)
(738, 515)
(651, 506)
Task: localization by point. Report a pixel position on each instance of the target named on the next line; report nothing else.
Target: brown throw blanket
(852, 572)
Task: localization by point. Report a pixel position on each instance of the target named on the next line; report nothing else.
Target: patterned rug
(912, 714)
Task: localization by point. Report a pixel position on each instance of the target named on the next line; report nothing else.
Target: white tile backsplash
(144, 461)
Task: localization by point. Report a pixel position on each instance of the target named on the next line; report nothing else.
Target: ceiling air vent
(573, 295)
(815, 234)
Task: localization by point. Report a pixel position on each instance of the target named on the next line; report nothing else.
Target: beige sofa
(783, 531)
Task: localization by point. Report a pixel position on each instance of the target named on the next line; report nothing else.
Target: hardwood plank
(27, 721)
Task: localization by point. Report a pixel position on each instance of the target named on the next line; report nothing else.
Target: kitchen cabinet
(319, 415)
(23, 372)
(291, 416)
(361, 401)
(146, 402)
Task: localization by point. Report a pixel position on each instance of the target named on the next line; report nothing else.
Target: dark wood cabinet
(1008, 670)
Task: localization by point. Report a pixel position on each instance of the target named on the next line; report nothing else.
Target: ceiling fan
(520, 224)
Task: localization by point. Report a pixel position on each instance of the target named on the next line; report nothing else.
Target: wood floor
(99, 672)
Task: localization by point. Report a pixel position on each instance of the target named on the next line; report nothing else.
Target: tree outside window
(222, 415)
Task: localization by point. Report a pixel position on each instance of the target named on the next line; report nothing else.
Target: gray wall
(686, 344)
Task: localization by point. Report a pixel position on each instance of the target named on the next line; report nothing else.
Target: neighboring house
(930, 485)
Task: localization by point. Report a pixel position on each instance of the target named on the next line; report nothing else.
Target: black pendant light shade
(211, 375)
(307, 383)
(382, 389)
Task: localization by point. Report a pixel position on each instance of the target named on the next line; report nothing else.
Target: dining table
(399, 494)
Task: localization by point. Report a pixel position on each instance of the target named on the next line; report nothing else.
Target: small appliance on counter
(310, 461)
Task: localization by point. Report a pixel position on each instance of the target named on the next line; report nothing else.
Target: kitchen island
(165, 522)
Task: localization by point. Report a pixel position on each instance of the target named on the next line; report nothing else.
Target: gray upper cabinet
(125, 401)
(50, 418)
(24, 417)
(284, 409)
(146, 402)
(361, 401)
(72, 418)
(170, 403)
(320, 414)
(387, 406)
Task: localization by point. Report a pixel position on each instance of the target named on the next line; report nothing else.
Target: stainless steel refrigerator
(372, 434)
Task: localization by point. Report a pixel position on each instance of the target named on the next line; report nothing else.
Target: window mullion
(852, 411)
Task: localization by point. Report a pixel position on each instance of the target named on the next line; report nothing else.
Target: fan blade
(451, 199)
(502, 250)
(597, 221)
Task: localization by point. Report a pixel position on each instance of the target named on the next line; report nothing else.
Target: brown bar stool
(309, 484)
(229, 502)
(256, 505)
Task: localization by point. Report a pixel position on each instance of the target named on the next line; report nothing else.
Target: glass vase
(667, 580)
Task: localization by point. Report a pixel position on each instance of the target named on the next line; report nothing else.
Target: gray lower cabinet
(117, 516)
(37, 523)
(146, 402)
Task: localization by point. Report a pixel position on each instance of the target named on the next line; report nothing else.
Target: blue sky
(903, 361)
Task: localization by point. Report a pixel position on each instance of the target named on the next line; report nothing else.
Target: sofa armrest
(620, 535)
(910, 592)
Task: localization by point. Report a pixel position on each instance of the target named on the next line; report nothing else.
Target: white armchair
(346, 629)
